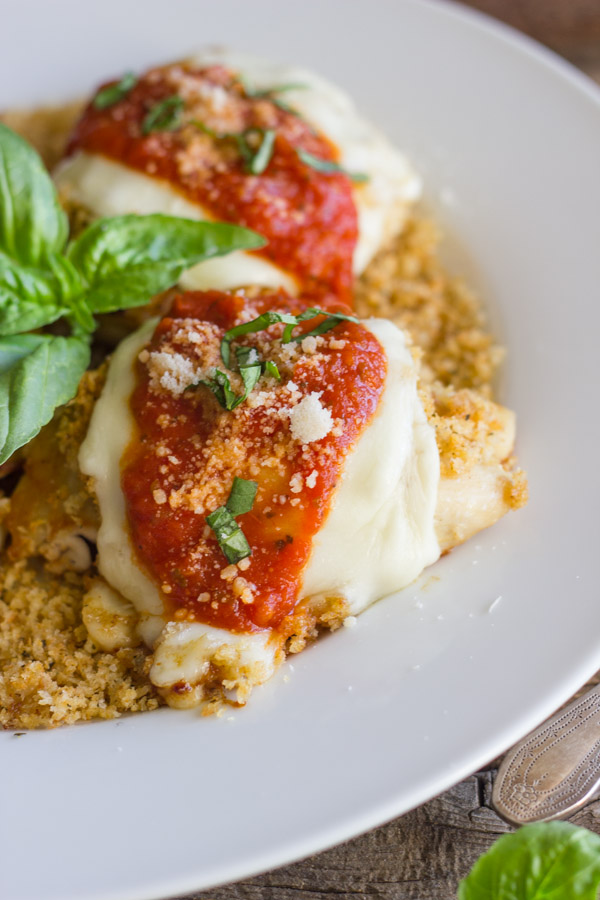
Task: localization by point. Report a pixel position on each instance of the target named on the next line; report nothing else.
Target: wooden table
(424, 854)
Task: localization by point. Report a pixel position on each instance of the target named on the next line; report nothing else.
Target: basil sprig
(230, 536)
(115, 264)
(261, 323)
(256, 157)
(271, 93)
(113, 93)
(328, 167)
(164, 115)
(250, 367)
(249, 364)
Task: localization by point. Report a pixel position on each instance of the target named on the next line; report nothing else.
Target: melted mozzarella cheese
(109, 188)
(377, 538)
(380, 534)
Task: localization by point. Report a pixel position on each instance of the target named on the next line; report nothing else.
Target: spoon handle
(554, 770)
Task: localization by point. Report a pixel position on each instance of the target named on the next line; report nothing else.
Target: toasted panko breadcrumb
(407, 283)
(50, 672)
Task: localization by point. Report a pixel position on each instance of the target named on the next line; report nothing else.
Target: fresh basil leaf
(29, 298)
(328, 167)
(271, 369)
(230, 536)
(32, 223)
(164, 116)
(330, 322)
(259, 324)
(127, 259)
(37, 374)
(241, 497)
(220, 385)
(262, 157)
(113, 93)
(250, 376)
(267, 92)
(15, 347)
(550, 861)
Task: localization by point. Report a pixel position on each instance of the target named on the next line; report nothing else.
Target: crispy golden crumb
(50, 671)
(407, 283)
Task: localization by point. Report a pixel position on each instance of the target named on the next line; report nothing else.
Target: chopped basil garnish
(256, 158)
(262, 157)
(272, 369)
(220, 385)
(330, 322)
(250, 366)
(230, 536)
(328, 167)
(110, 95)
(267, 93)
(259, 324)
(164, 116)
(241, 497)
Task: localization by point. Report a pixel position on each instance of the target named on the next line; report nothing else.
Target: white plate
(428, 687)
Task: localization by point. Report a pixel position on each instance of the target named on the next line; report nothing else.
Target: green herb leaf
(271, 369)
(259, 324)
(164, 116)
(262, 157)
(37, 374)
(242, 496)
(230, 536)
(220, 385)
(331, 320)
(111, 94)
(32, 224)
(28, 298)
(550, 861)
(127, 259)
(328, 167)
(268, 92)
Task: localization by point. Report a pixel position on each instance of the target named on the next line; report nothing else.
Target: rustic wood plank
(420, 856)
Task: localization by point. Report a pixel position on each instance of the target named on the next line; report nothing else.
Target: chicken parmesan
(333, 523)
(233, 138)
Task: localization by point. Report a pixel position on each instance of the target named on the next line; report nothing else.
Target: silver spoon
(555, 770)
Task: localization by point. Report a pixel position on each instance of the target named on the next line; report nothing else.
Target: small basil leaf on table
(37, 373)
(547, 861)
(32, 223)
(127, 259)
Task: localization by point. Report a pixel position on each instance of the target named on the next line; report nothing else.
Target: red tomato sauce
(175, 444)
(308, 217)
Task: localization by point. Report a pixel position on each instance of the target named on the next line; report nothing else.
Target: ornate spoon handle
(555, 769)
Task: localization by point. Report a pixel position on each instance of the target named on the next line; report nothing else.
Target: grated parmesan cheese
(171, 371)
(310, 420)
